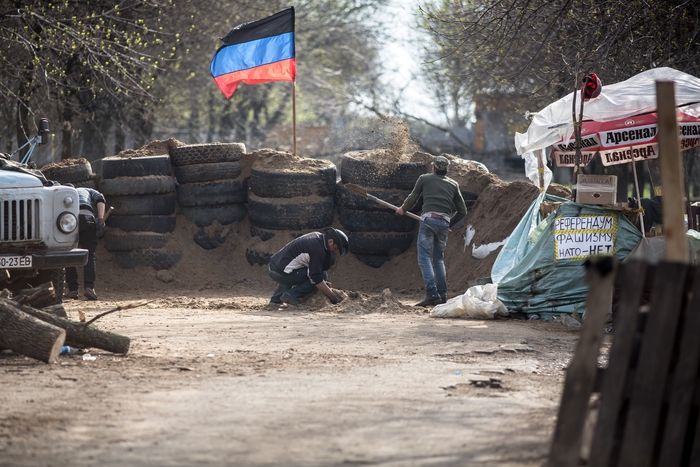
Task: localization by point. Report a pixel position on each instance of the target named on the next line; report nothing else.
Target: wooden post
(540, 167)
(636, 189)
(294, 116)
(671, 173)
(583, 368)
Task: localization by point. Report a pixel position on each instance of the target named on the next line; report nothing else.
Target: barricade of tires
(376, 233)
(75, 171)
(210, 188)
(288, 194)
(144, 211)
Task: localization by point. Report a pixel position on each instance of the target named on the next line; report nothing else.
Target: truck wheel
(380, 243)
(137, 185)
(291, 213)
(204, 216)
(160, 224)
(212, 193)
(129, 241)
(206, 153)
(157, 259)
(198, 173)
(257, 258)
(345, 198)
(373, 261)
(284, 184)
(113, 166)
(368, 172)
(78, 171)
(372, 221)
(210, 241)
(141, 205)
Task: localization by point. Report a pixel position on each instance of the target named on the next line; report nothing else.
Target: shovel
(358, 190)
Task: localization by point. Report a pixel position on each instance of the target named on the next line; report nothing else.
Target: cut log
(28, 335)
(56, 310)
(35, 294)
(78, 335)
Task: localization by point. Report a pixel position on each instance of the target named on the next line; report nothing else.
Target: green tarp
(540, 268)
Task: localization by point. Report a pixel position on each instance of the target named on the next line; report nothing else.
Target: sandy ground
(214, 378)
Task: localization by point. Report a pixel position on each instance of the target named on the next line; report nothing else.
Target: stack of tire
(376, 233)
(288, 195)
(75, 171)
(142, 192)
(210, 188)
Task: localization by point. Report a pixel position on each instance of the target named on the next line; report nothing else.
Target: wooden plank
(632, 277)
(581, 373)
(653, 365)
(695, 453)
(684, 380)
(671, 173)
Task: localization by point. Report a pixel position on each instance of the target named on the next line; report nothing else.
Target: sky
(401, 59)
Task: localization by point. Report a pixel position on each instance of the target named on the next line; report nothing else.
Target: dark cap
(441, 162)
(339, 238)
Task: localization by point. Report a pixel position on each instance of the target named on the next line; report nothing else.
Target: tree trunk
(34, 295)
(27, 334)
(83, 337)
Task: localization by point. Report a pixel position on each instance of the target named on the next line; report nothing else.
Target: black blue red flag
(256, 52)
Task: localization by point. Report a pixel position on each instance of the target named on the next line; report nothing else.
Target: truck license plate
(8, 262)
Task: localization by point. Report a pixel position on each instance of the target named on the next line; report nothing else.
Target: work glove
(99, 225)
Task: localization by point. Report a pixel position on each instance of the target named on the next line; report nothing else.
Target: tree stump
(29, 335)
(80, 336)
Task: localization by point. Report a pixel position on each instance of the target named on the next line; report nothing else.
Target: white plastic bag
(481, 302)
(478, 302)
(453, 308)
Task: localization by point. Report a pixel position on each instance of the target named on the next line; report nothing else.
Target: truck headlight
(67, 222)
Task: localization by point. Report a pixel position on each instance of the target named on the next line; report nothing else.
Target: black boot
(430, 300)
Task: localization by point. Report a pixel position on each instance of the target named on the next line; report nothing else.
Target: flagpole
(294, 115)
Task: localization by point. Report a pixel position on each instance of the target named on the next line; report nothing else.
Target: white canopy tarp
(620, 100)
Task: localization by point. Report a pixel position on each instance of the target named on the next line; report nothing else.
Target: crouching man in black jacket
(300, 267)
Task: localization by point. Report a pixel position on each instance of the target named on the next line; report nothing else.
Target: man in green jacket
(443, 207)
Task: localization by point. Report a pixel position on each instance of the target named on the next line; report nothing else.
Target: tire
(264, 234)
(85, 183)
(372, 221)
(114, 167)
(290, 213)
(198, 173)
(373, 261)
(140, 205)
(345, 198)
(130, 241)
(257, 258)
(283, 184)
(157, 259)
(160, 224)
(379, 243)
(204, 216)
(137, 185)
(80, 171)
(206, 153)
(370, 173)
(210, 241)
(212, 193)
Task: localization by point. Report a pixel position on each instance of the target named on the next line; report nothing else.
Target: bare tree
(81, 62)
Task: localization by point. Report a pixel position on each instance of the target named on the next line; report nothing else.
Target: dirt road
(217, 379)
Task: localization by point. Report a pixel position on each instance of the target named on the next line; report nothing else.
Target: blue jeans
(432, 238)
(296, 283)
